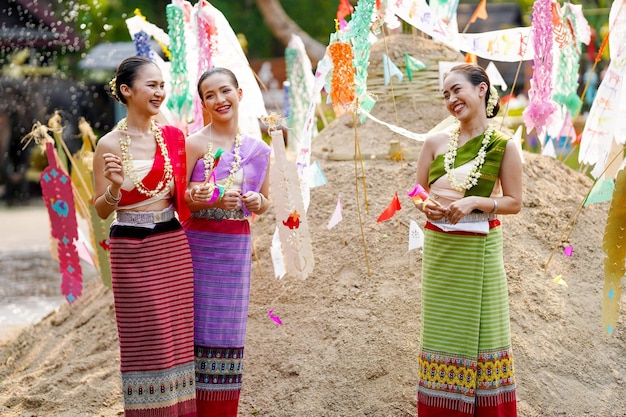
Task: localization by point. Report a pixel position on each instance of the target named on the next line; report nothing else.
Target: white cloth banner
(508, 45)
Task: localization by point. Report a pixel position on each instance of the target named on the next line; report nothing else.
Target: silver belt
(145, 217)
(218, 214)
(470, 218)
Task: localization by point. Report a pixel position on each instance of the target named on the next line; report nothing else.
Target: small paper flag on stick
(480, 12)
(390, 210)
(416, 236)
(274, 318)
(390, 70)
(412, 64)
(568, 251)
(316, 175)
(559, 280)
(337, 216)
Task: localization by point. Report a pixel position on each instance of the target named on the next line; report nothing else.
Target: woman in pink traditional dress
(224, 190)
(473, 174)
(140, 174)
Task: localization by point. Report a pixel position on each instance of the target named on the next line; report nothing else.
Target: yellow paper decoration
(614, 245)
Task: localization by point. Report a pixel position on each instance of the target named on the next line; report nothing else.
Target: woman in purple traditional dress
(224, 190)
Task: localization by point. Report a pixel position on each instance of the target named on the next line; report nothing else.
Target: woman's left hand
(460, 208)
(253, 201)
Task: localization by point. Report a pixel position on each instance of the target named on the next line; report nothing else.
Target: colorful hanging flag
(391, 70)
(412, 64)
(316, 175)
(344, 10)
(480, 12)
(337, 216)
(416, 236)
(601, 192)
(391, 209)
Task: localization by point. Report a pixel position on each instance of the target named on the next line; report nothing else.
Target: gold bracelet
(495, 206)
(263, 199)
(191, 196)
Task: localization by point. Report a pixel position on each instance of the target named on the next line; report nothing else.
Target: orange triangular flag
(391, 209)
(344, 9)
(480, 12)
(471, 58)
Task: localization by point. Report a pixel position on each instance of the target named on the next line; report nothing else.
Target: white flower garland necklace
(209, 160)
(128, 164)
(471, 179)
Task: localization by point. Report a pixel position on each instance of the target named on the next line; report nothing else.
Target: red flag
(345, 9)
(480, 12)
(390, 210)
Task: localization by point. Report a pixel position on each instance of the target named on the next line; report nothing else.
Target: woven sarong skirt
(465, 362)
(221, 251)
(152, 280)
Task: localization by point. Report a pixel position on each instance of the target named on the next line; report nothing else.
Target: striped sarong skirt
(152, 281)
(465, 361)
(221, 251)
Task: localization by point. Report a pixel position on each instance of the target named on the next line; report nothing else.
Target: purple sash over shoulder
(254, 160)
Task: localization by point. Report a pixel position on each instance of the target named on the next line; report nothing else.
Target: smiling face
(220, 96)
(463, 99)
(147, 89)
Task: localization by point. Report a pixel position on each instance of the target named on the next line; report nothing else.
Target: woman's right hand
(113, 169)
(435, 212)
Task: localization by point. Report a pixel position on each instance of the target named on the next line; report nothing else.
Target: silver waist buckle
(218, 214)
(145, 217)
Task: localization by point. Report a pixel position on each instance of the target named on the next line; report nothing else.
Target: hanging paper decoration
(568, 64)
(292, 223)
(56, 188)
(228, 53)
(180, 100)
(276, 252)
(301, 83)
(508, 45)
(445, 10)
(342, 91)
(539, 112)
(606, 120)
(82, 180)
(207, 42)
(614, 245)
(390, 70)
(142, 44)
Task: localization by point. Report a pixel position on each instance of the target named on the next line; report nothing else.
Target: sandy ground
(349, 343)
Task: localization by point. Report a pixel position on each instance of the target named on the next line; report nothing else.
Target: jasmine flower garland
(471, 179)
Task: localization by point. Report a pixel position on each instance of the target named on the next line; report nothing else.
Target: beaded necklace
(209, 160)
(127, 160)
(471, 179)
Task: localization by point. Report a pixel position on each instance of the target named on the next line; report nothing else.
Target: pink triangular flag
(336, 217)
(274, 317)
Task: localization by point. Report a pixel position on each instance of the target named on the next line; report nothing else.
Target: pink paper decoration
(56, 187)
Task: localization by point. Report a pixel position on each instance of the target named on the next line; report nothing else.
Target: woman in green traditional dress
(473, 174)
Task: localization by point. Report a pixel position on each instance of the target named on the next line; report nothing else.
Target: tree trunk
(281, 25)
